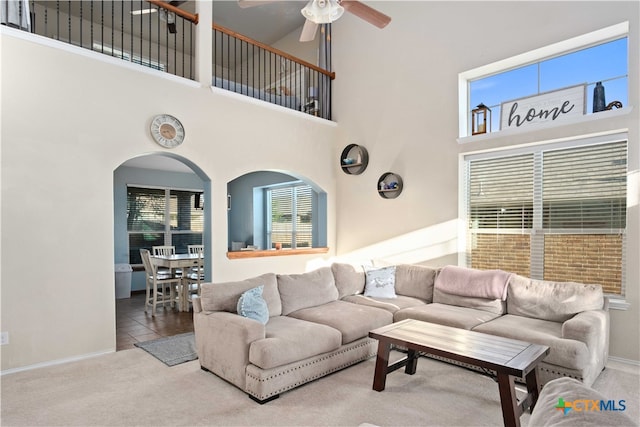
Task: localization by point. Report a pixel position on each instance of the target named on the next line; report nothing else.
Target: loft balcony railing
(251, 68)
(158, 35)
(149, 33)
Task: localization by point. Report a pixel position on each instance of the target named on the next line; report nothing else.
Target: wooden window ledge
(273, 252)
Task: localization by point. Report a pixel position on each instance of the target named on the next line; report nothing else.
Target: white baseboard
(626, 365)
(56, 362)
(625, 361)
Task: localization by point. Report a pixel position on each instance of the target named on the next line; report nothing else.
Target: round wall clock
(167, 131)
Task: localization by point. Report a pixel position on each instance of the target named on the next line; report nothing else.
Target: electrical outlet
(4, 338)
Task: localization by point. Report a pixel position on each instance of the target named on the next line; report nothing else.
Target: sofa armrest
(197, 304)
(592, 328)
(223, 340)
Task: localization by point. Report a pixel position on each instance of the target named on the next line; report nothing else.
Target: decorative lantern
(480, 119)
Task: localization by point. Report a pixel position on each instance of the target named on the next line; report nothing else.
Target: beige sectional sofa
(318, 322)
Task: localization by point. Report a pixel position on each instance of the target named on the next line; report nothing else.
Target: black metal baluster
(235, 61)
(184, 23)
(122, 26)
(81, 4)
(141, 26)
(253, 69)
(130, 31)
(102, 26)
(91, 26)
(69, 22)
(149, 38)
(113, 43)
(241, 68)
(214, 59)
(57, 20)
(46, 21)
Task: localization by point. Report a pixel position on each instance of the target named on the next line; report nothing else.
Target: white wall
(69, 120)
(396, 93)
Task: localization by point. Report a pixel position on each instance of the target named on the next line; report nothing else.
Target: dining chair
(165, 250)
(195, 249)
(192, 280)
(161, 288)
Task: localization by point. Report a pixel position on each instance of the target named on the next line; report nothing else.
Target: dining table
(176, 262)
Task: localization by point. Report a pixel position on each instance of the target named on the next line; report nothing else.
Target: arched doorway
(182, 218)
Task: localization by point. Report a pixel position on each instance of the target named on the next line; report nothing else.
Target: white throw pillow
(380, 282)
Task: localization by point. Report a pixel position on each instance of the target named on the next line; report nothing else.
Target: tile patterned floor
(134, 325)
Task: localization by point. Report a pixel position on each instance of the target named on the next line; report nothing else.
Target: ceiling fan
(165, 15)
(327, 11)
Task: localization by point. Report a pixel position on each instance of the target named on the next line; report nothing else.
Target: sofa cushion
(299, 291)
(571, 354)
(288, 340)
(390, 304)
(470, 282)
(555, 301)
(415, 281)
(224, 296)
(496, 306)
(349, 280)
(448, 315)
(252, 305)
(354, 321)
(571, 390)
(380, 282)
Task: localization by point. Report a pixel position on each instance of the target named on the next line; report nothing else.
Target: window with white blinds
(162, 216)
(554, 213)
(290, 216)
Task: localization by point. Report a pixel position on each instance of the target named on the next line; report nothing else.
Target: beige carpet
(131, 387)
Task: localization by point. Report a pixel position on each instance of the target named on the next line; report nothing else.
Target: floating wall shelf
(389, 185)
(354, 159)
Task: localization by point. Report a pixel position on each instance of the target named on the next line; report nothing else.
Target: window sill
(618, 304)
(580, 119)
(273, 252)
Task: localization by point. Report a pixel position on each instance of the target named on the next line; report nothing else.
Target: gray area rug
(172, 350)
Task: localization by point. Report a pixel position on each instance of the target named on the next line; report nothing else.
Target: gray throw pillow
(252, 305)
(380, 282)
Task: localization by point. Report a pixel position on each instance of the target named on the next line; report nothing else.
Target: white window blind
(159, 216)
(586, 188)
(290, 213)
(550, 213)
(501, 193)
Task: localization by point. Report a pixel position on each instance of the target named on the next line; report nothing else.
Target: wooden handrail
(186, 15)
(330, 74)
(194, 18)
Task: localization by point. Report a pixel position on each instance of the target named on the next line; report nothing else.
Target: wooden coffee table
(509, 358)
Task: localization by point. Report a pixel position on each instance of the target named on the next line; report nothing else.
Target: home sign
(547, 107)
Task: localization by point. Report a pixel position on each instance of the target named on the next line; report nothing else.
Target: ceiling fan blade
(251, 3)
(309, 30)
(365, 12)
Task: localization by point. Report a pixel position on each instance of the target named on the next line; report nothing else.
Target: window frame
(167, 232)
(617, 300)
(268, 212)
(594, 38)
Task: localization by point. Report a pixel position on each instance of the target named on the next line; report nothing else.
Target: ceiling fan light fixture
(322, 11)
